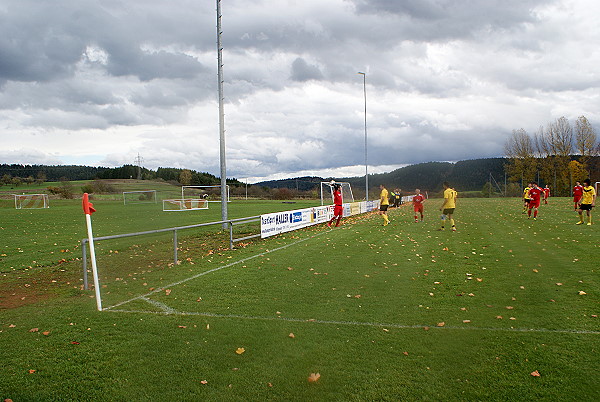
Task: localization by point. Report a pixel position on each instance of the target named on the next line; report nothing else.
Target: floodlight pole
(221, 119)
(366, 160)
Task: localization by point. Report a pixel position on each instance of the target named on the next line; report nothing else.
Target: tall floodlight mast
(221, 118)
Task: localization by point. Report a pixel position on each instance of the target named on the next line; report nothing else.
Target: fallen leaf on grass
(181, 326)
(466, 321)
(314, 377)
(441, 324)
(239, 351)
(34, 330)
(535, 373)
(558, 284)
(203, 382)
(291, 335)
(405, 353)
(581, 293)
(509, 307)
(46, 333)
(167, 292)
(31, 371)
(498, 317)
(12, 326)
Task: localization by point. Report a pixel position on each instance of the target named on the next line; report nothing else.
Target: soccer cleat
(579, 223)
(535, 219)
(454, 229)
(589, 223)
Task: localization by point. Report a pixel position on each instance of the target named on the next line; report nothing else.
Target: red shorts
(338, 210)
(418, 208)
(534, 204)
(576, 198)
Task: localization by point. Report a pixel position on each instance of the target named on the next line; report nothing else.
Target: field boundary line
(358, 323)
(162, 288)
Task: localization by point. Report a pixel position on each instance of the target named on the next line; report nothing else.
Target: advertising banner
(281, 222)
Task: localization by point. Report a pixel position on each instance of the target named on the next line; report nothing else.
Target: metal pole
(175, 245)
(84, 258)
(221, 118)
(366, 159)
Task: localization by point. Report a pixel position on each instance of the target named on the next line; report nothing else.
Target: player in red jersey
(546, 194)
(577, 194)
(418, 201)
(535, 196)
(338, 209)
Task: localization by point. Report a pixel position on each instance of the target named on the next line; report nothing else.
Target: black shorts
(383, 208)
(448, 211)
(585, 207)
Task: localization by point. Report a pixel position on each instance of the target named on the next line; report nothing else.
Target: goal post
(187, 204)
(139, 197)
(31, 201)
(209, 193)
(327, 192)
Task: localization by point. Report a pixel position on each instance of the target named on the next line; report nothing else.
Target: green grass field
(403, 312)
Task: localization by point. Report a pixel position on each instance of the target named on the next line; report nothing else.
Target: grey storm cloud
(302, 71)
(445, 80)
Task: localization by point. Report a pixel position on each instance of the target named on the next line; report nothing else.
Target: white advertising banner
(286, 221)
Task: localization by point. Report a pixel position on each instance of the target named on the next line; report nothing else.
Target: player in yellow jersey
(587, 202)
(448, 206)
(526, 198)
(384, 203)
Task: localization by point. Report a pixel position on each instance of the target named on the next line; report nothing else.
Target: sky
(99, 83)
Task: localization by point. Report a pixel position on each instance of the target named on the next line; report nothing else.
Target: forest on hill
(15, 174)
(469, 175)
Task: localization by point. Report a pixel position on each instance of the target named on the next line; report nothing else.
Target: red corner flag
(88, 207)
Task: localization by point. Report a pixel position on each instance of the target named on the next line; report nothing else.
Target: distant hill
(469, 175)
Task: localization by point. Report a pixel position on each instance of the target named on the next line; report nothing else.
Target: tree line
(557, 155)
(17, 175)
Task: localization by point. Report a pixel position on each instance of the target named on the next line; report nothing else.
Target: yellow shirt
(526, 193)
(384, 197)
(588, 195)
(449, 198)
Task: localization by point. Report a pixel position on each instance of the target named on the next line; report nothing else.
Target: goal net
(327, 192)
(209, 193)
(31, 201)
(188, 204)
(139, 197)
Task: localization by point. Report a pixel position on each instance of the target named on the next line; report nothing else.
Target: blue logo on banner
(296, 217)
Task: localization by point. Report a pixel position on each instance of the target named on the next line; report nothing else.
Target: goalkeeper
(338, 209)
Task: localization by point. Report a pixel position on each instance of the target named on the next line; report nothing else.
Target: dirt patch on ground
(35, 285)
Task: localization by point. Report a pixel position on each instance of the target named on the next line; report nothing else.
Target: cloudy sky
(100, 82)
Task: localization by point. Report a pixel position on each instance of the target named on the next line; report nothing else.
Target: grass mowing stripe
(214, 270)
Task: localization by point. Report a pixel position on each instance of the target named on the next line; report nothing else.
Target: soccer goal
(597, 189)
(139, 197)
(209, 193)
(187, 204)
(31, 201)
(327, 192)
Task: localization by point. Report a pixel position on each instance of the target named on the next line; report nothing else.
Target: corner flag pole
(88, 210)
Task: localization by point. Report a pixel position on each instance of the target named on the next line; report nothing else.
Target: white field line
(358, 323)
(166, 309)
(144, 296)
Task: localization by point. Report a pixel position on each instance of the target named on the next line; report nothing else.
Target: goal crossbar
(205, 192)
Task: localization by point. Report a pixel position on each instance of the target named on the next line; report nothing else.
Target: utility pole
(221, 119)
